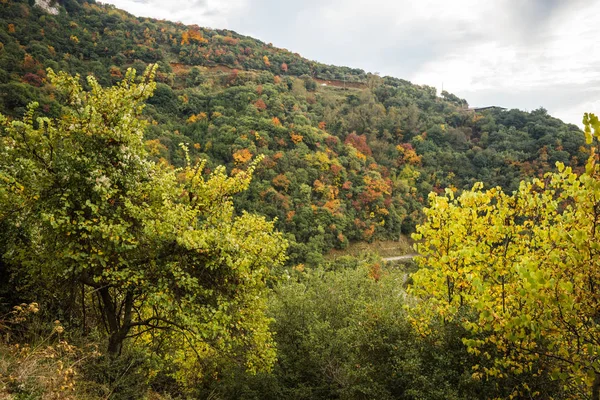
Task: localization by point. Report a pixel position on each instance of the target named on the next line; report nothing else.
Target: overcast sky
(512, 53)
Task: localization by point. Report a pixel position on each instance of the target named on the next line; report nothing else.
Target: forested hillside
(351, 160)
(163, 233)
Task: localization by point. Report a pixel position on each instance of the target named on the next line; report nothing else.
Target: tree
(342, 332)
(192, 35)
(160, 250)
(521, 272)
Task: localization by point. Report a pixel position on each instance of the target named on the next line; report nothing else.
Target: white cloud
(504, 50)
(208, 13)
(564, 53)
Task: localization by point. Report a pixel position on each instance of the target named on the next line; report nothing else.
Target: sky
(512, 53)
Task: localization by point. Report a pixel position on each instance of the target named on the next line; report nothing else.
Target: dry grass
(383, 248)
(36, 362)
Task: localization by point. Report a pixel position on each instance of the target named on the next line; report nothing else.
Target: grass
(383, 248)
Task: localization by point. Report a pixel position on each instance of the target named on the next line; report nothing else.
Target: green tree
(160, 249)
(521, 272)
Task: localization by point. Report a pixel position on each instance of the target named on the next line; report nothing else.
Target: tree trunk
(115, 344)
(117, 329)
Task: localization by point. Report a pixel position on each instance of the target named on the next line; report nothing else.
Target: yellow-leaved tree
(521, 272)
(150, 251)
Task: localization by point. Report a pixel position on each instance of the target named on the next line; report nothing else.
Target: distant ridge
(488, 108)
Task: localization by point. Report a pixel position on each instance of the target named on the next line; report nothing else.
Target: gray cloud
(551, 98)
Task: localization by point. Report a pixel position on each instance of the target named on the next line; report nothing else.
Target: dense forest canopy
(341, 164)
(175, 226)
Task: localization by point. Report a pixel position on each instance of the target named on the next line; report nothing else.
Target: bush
(125, 377)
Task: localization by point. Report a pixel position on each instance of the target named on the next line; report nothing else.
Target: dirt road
(406, 257)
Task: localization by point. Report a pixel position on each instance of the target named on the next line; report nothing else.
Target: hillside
(349, 156)
(204, 229)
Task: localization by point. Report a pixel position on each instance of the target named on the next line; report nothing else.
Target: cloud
(208, 13)
(509, 52)
(555, 68)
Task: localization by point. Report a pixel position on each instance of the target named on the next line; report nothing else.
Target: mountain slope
(348, 155)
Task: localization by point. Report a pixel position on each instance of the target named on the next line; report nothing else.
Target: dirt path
(338, 83)
(180, 68)
(406, 257)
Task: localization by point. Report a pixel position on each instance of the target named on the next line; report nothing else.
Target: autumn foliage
(296, 138)
(192, 36)
(260, 104)
(407, 154)
(359, 142)
(242, 156)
